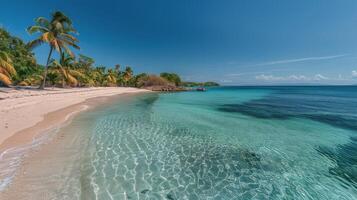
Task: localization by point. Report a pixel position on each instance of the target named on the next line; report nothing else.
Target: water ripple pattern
(168, 147)
(227, 143)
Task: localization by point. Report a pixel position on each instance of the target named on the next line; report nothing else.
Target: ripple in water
(345, 158)
(135, 164)
(336, 106)
(180, 146)
(138, 155)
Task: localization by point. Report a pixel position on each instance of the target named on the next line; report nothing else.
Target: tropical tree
(85, 62)
(171, 77)
(110, 78)
(151, 80)
(33, 79)
(23, 59)
(127, 75)
(95, 76)
(117, 69)
(7, 70)
(138, 80)
(57, 33)
(67, 70)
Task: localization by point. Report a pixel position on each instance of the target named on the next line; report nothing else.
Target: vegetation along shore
(18, 65)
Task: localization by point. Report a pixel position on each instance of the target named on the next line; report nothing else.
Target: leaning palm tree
(6, 68)
(98, 75)
(66, 70)
(57, 33)
(34, 79)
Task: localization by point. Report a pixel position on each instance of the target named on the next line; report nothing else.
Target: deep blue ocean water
(226, 143)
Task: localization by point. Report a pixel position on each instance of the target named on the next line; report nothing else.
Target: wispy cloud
(317, 77)
(257, 72)
(296, 60)
(243, 73)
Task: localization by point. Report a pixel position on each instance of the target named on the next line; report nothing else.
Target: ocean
(283, 142)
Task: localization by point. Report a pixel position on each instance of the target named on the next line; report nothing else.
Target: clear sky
(233, 42)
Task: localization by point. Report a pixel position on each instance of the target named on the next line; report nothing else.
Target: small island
(200, 84)
(169, 82)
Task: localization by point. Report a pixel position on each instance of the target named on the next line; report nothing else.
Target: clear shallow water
(226, 143)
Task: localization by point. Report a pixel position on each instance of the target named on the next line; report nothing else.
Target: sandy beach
(22, 109)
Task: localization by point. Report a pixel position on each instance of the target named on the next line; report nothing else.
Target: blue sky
(233, 42)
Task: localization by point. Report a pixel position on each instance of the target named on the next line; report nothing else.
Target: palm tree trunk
(63, 83)
(42, 86)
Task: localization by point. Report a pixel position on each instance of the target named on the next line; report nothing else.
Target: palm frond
(54, 44)
(48, 37)
(67, 50)
(5, 79)
(61, 17)
(76, 73)
(69, 37)
(35, 29)
(7, 67)
(35, 43)
(58, 26)
(72, 80)
(5, 56)
(42, 21)
(6, 64)
(24, 83)
(55, 63)
(3, 71)
(71, 30)
(69, 42)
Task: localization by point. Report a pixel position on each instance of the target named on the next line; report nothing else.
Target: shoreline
(24, 109)
(14, 147)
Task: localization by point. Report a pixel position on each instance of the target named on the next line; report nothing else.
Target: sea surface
(226, 143)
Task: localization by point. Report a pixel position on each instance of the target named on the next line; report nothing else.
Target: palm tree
(128, 74)
(85, 62)
(33, 79)
(65, 69)
(117, 68)
(6, 69)
(111, 78)
(57, 33)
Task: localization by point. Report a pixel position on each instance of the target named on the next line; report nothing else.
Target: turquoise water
(226, 143)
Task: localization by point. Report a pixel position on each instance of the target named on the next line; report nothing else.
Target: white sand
(21, 109)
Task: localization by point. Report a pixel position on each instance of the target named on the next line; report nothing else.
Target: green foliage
(210, 84)
(57, 33)
(110, 78)
(151, 80)
(138, 80)
(171, 77)
(22, 58)
(85, 62)
(175, 79)
(127, 75)
(66, 70)
(199, 84)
